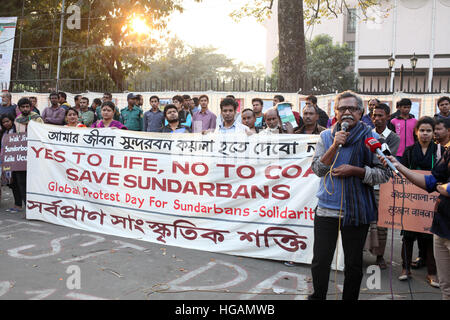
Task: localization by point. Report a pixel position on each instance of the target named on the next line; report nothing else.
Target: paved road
(44, 261)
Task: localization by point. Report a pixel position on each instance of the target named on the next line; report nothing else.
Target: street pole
(58, 72)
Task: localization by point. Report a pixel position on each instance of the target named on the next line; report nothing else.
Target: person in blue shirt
(367, 118)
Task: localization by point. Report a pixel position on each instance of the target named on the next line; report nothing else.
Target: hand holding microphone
(375, 147)
(341, 136)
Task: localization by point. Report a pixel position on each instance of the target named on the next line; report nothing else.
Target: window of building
(351, 21)
(351, 45)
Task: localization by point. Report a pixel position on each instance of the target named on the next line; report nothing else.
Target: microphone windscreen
(373, 144)
(344, 126)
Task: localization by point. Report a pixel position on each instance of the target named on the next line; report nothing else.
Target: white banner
(249, 196)
(7, 35)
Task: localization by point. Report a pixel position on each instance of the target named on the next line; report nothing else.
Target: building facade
(400, 29)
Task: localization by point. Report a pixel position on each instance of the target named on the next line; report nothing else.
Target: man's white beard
(274, 130)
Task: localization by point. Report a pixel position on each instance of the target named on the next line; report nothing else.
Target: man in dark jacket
(323, 116)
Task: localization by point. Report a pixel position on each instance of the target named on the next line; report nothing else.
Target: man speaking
(348, 172)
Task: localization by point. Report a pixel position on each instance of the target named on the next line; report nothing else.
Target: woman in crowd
(72, 118)
(438, 181)
(8, 127)
(420, 156)
(107, 110)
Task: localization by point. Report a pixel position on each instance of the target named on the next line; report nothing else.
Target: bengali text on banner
(236, 194)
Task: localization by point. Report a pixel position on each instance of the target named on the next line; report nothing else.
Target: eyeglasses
(352, 109)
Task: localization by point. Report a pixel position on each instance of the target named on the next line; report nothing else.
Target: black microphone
(344, 127)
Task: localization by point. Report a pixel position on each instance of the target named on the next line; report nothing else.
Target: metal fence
(366, 85)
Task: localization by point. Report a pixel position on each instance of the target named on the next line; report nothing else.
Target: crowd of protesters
(418, 144)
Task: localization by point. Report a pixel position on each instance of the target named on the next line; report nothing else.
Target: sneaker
(405, 275)
(432, 281)
(289, 263)
(12, 210)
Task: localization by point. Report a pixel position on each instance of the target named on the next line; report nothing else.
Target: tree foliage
(178, 61)
(292, 16)
(104, 48)
(328, 65)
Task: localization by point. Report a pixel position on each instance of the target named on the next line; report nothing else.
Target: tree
(329, 65)
(178, 61)
(292, 15)
(106, 47)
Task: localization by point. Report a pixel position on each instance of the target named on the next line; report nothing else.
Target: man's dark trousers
(325, 240)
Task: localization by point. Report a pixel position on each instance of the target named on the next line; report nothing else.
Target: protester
(86, 115)
(346, 200)
(26, 115)
(62, 100)
(228, 108)
(258, 105)
(380, 119)
(184, 116)
(34, 106)
(188, 103)
(442, 134)
(7, 124)
(279, 99)
(54, 114)
(249, 120)
(7, 107)
(76, 99)
(19, 178)
(153, 118)
(440, 227)
(72, 119)
(444, 108)
(274, 123)
(96, 106)
(132, 116)
(173, 121)
(196, 105)
(310, 121)
(367, 118)
(204, 120)
(140, 101)
(311, 100)
(107, 121)
(404, 125)
(420, 156)
(8, 127)
(331, 122)
(108, 97)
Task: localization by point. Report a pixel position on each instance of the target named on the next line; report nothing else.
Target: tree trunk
(292, 49)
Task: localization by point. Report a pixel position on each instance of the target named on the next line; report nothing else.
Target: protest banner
(244, 195)
(14, 152)
(409, 208)
(7, 36)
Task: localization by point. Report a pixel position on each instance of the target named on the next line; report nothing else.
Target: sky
(209, 23)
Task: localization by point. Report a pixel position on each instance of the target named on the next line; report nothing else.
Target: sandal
(432, 281)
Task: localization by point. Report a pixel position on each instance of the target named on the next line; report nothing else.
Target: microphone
(344, 127)
(375, 147)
